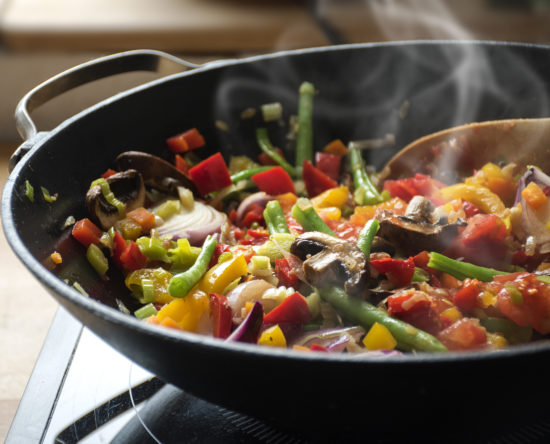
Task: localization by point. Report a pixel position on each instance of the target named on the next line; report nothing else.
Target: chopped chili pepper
(181, 164)
(315, 180)
(108, 173)
(211, 174)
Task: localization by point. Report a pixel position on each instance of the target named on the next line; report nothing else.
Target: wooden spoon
(459, 150)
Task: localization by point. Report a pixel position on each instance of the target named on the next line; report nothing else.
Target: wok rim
(54, 284)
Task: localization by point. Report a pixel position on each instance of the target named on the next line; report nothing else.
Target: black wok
(364, 91)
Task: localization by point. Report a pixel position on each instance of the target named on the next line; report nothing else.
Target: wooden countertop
(26, 312)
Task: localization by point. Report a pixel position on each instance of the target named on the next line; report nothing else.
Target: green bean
(275, 218)
(308, 218)
(304, 136)
(461, 270)
(364, 241)
(365, 192)
(247, 174)
(182, 283)
(365, 314)
(265, 144)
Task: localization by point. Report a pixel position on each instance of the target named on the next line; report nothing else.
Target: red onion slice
(260, 198)
(249, 330)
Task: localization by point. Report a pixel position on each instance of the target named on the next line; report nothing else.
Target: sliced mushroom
(127, 186)
(420, 209)
(157, 173)
(412, 237)
(329, 260)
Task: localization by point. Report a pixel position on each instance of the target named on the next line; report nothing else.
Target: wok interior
(361, 90)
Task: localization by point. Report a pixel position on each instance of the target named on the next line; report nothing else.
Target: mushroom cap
(329, 260)
(127, 186)
(156, 172)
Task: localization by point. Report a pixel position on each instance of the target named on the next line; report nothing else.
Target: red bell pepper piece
(466, 297)
(398, 271)
(221, 313)
(328, 164)
(86, 232)
(255, 213)
(181, 164)
(293, 309)
(119, 245)
(218, 251)
(274, 181)
(188, 140)
(132, 258)
(318, 348)
(108, 173)
(286, 273)
(315, 180)
(264, 159)
(210, 175)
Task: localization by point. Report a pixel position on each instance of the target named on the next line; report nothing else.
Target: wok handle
(124, 62)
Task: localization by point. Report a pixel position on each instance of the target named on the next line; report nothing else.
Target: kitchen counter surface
(25, 316)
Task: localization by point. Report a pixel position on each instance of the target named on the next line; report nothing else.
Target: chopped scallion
(272, 111)
(47, 196)
(29, 191)
(97, 259)
(148, 289)
(146, 311)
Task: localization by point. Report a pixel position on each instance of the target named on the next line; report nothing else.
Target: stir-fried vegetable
(320, 256)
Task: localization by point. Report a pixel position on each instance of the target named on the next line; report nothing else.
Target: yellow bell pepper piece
(362, 214)
(534, 196)
(481, 197)
(331, 213)
(221, 275)
(273, 337)
(187, 311)
(159, 276)
(379, 338)
(452, 313)
(335, 197)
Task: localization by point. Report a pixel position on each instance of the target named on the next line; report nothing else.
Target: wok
(364, 91)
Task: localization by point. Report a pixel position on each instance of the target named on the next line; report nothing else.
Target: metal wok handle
(124, 62)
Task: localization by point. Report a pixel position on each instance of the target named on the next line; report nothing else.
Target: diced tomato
(293, 309)
(328, 164)
(286, 272)
(344, 229)
(419, 185)
(108, 173)
(264, 159)
(398, 271)
(274, 181)
(532, 307)
(86, 232)
(315, 180)
(188, 140)
(181, 164)
(221, 313)
(416, 308)
(482, 241)
(470, 209)
(464, 334)
(132, 258)
(143, 217)
(210, 175)
(466, 297)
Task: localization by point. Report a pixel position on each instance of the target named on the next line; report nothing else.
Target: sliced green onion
(109, 195)
(146, 311)
(47, 196)
(168, 209)
(260, 262)
(29, 191)
(225, 256)
(80, 289)
(148, 289)
(97, 259)
(420, 275)
(272, 111)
